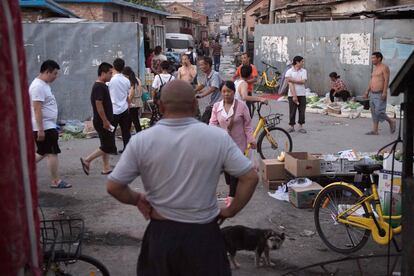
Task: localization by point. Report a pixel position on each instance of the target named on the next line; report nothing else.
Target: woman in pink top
(233, 116)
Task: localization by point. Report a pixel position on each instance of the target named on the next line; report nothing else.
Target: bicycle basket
(61, 239)
(273, 119)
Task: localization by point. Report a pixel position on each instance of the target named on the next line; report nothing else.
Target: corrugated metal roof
(47, 4)
(388, 11)
(119, 3)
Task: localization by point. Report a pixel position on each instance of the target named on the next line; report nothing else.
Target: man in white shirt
(180, 192)
(119, 87)
(296, 77)
(44, 112)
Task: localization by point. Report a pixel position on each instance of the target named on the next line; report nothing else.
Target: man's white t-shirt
(40, 91)
(119, 87)
(181, 187)
(301, 74)
(156, 83)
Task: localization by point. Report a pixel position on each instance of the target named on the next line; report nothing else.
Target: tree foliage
(148, 3)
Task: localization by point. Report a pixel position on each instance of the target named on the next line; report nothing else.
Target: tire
(83, 266)
(267, 150)
(341, 238)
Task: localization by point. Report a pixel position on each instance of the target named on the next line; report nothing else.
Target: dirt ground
(114, 231)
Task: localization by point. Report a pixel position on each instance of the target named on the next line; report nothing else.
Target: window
(114, 17)
(132, 18)
(252, 29)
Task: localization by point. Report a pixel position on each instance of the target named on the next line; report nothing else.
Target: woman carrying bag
(233, 116)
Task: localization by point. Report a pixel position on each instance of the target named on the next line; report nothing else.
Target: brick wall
(111, 13)
(32, 15)
(88, 11)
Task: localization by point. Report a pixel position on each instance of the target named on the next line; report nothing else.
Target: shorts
(378, 107)
(186, 249)
(50, 144)
(107, 139)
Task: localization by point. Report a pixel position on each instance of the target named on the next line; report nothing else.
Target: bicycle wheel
(269, 146)
(82, 266)
(339, 237)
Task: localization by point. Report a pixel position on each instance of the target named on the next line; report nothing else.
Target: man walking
(377, 92)
(210, 85)
(44, 112)
(183, 236)
(296, 77)
(217, 53)
(119, 89)
(251, 80)
(102, 116)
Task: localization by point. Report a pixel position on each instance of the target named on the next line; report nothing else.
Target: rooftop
(48, 5)
(119, 3)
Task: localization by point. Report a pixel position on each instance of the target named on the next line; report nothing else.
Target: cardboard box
(272, 169)
(272, 185)
(303, 197)
(329, 163)
(301, 164)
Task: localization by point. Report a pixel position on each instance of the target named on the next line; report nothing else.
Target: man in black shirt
(102, 115)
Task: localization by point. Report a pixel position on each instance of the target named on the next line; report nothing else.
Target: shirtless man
(187, 71)
(377, 88)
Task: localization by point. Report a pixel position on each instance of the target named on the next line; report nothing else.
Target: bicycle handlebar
(271, 66)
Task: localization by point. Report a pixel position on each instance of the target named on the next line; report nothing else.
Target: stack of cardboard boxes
(272, 173)
(297, 164)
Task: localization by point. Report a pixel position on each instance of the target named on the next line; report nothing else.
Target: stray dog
(252, 239)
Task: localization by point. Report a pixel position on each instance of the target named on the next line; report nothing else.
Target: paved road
(115, 230)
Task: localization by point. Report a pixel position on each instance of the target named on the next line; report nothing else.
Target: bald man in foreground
(180, 161)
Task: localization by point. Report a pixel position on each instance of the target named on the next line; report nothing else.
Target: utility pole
(241, 2)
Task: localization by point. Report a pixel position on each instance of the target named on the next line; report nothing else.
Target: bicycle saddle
(367, 169)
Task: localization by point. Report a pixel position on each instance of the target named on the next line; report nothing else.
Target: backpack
(158, 92)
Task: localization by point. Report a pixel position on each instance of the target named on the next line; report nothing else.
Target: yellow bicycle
(272, 140)
(344, 216)
(269, 78)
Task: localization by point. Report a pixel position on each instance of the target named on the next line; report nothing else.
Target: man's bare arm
(208, 91)
(37, 106)
(101, 112)
(245, 189)
(386, 75)
(198, 88)
(125, 195)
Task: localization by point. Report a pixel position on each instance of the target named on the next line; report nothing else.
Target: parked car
(178, 42)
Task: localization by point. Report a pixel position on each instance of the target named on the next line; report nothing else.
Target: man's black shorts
(185, 249)
(107, 139)
(50, 144)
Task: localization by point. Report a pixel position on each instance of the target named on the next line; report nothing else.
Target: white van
(178, 42)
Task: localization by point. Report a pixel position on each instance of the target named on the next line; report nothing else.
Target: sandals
(84, 166)
(371, 133)
(61, 185)
(106, 173)
(302, 130)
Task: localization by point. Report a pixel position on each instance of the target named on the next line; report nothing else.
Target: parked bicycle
(344, 216)
(61, 241)
(272, 139)
(269, 77)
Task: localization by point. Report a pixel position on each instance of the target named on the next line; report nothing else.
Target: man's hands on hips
(40, 135)
(144, 206)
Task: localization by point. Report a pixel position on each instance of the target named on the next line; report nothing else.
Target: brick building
(186, 20)
(93, 10)
(256, 13)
